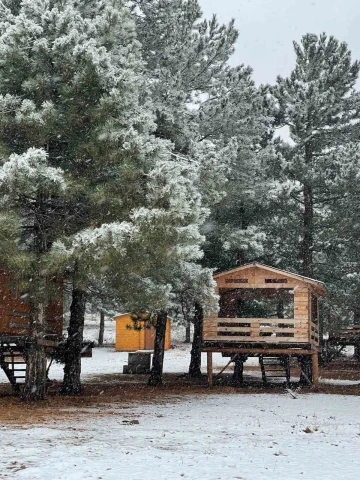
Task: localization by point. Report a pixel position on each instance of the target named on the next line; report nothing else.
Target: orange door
(149, 338)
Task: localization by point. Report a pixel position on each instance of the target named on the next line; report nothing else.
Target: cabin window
(275, 280)
(267, 303)
(236, 280)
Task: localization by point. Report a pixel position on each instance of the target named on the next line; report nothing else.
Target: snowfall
(214, 436)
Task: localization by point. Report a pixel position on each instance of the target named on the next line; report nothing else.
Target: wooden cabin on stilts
(267, 313)
(15, 325)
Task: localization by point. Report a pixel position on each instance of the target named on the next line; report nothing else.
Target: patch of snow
(333, 381)
(212, 437)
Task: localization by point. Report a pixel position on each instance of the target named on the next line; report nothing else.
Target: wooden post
(263, 373)
(305, 370)
(315, 370)
(210, 369)
(238, 377)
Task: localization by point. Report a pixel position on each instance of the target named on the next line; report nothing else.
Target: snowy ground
(214, 436)
(210, 437)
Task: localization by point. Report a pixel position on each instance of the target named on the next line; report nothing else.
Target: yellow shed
(130, 339)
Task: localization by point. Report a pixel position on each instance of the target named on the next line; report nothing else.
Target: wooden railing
(248, 330)
(314, 334)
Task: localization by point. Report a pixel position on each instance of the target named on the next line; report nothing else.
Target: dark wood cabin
(14, 328)
(15, 311)
(264, 311)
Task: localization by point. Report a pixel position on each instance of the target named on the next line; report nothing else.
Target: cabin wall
(54, 315)
(257, 278)
(129, 339)
(15, 311)
(302, 312)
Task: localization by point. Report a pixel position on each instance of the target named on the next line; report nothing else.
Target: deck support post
(315, 370)
(305, 362)
(209, 369)
(263, 373)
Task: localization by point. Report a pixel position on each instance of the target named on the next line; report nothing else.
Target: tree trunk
(188, 332)
(159, 346)
(356, 311)
(308, 222)
(280, 309)
(101, 329)
(35, 355)
(195, 360)
(72, 369)
(238, 375)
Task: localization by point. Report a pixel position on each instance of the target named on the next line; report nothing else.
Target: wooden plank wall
(129, 339)
(15, 311)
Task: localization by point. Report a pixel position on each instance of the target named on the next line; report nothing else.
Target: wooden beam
(226, 366)
(260, 351)
(209, 369)
(315, 370)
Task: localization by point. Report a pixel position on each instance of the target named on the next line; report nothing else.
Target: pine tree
(210, 111)
(31, 194)
(339, 242)
(148, 259)
(320, 107)
(71, 83)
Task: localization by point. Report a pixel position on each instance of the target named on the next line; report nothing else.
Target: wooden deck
(346, 336)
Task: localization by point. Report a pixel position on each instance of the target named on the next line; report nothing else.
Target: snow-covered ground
(211, 436)
(252, 437)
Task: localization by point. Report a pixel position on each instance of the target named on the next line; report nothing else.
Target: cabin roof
(319, 287)
(120, 315)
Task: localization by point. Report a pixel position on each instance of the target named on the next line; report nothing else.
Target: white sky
(268, 27)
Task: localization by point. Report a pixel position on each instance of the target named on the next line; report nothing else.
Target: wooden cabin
(264, 311)
(14, 328)
(132, 336)
(15, 311)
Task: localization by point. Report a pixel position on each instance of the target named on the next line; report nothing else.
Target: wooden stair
(12, 361)
(274, 368)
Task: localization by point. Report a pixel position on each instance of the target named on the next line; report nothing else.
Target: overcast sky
(268, 27)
